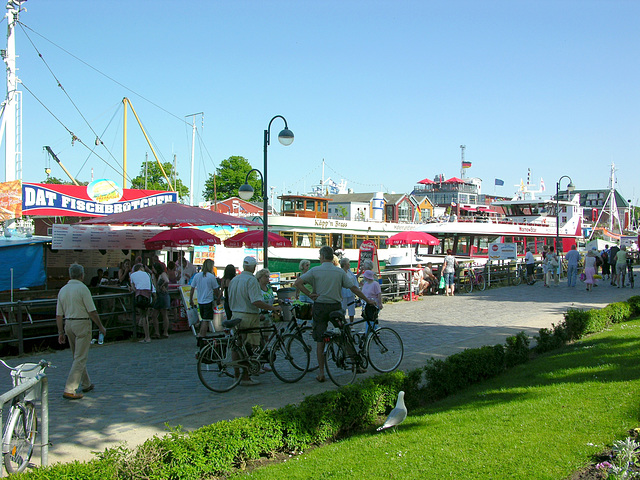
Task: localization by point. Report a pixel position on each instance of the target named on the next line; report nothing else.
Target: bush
(460, 370)
(517, 350)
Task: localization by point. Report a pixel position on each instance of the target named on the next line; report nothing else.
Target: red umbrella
(411, 237)
(254, 239)
(426, 181)
(171, 215)
(180, 237)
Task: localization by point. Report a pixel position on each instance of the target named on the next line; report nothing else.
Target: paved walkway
(139, 387)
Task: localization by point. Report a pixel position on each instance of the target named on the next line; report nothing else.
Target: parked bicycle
(348, 353)
(286, 353)
(18, 439)
(471, 278)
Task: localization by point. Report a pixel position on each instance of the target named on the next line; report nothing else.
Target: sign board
(368, 251)
(100, 237)
(503, 251)
(99, 198)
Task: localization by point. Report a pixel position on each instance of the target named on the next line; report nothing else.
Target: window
(303, 239)
(322, 239)
(311, 205)
(347, 241)
(287, 206)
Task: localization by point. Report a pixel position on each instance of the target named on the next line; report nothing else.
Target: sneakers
(89, 388)
(249, 383)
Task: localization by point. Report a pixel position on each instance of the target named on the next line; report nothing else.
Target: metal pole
(265, 202)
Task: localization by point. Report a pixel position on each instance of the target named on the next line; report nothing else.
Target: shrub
(459, 370)
(517, 350)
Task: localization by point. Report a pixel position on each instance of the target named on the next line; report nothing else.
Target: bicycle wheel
(385, 349)
(19, 438)
(482, 282)
(467, 283)
(517, 279)
(289, 358)
(307, 338)
(341, 368)
(215, 367)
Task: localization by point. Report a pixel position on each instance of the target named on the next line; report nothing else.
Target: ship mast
(11, 126)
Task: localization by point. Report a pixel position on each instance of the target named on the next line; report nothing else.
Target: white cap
(249, 261)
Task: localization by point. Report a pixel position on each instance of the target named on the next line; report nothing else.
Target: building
(593, 202)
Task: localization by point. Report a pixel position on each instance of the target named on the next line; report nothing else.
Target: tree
(229, 177)
(156, 181)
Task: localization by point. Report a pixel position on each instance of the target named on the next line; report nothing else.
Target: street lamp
(285, 137)
(570, 188)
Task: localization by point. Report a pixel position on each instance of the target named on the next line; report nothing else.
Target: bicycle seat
(234, 322)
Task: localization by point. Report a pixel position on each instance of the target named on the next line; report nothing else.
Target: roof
(620, 200)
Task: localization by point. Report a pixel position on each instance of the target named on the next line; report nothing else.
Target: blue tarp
(26, 259)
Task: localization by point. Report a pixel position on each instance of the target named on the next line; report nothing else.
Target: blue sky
(384, 91)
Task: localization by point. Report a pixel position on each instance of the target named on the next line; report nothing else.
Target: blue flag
(499, 182)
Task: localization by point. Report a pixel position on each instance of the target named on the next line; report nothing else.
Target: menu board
(100, 237)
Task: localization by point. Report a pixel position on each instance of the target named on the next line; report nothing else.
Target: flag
(466, 164)
(499, 182)
(521, 185)
(542, 187)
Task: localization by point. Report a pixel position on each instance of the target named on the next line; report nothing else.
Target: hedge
(218, 449)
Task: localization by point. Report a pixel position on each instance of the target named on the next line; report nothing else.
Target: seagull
(397, 415)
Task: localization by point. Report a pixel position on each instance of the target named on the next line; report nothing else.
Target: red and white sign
(368, 251)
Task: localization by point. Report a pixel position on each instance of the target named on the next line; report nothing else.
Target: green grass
(541, 420)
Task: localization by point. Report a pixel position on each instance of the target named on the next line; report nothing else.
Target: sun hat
(368, 274)
(249, 261)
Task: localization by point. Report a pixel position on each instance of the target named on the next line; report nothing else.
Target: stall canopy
(255, 239)
(26, 258)
(171, 215)
(180, 237)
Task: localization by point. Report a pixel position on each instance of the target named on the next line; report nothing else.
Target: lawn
(541, 420)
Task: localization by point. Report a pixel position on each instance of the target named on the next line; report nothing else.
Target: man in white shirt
(186, 268)
(531, 264)
(572, 257)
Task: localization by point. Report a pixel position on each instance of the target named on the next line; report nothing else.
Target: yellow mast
(126, 102)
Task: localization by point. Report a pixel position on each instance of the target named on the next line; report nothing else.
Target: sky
(384, 91)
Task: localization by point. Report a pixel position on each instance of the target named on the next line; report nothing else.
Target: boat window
(303, 240)
(287, 235)
(359, 240)
(299, 204)
(287, 205)
(347, 241)
(463, 245)
(311, 205)
(323, 206)
(322, 239)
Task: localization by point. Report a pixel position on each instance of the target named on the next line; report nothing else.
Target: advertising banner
(100, 237)
(368, 251)
(99, 198)
(503, 251)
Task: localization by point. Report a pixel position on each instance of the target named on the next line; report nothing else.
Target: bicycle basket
(22, 373)
(303, 311)
(370, 313)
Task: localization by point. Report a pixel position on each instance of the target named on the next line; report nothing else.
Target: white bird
(397, 415)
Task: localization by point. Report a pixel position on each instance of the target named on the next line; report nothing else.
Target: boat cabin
(304, 206)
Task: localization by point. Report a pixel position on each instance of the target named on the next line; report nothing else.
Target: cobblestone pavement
(139, 387)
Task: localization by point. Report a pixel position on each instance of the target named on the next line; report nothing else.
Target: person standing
(348, 297)
(246, 301)
(186, 269)
(613, 259)
(530, 261)
(163, 301)
(327, 281)
(590, 269)
(545, 264)
(604, 255)
(449, 271)
(206, 285)
(621, 265)
(229, 273)
(75, 311)
(572, 257)
(143, 287)
(552, 267)
(304, 268)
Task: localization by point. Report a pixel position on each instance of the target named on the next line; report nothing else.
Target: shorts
(249, 320)
(449, 278)
(206, 310)
(163, 301)
(621, 268)
(321, 318)
(530, 267)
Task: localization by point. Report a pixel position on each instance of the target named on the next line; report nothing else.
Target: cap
(368, 274)
(249, 261)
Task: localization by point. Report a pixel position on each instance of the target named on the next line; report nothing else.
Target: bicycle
(299, 325)
(473, 278)
(220, 372)
(347, 353)
(18, 439)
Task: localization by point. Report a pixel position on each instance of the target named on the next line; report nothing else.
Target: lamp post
(285, 137)
(570, 188)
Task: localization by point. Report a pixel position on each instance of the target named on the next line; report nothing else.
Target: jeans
(572, 273)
